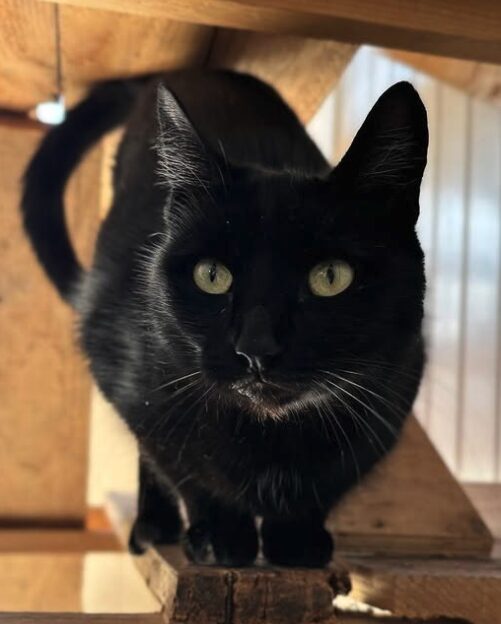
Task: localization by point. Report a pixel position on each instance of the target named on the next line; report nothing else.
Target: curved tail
(107, 106)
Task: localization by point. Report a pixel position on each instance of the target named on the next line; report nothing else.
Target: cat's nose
(257, 342)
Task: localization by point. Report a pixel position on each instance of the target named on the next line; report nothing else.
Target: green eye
(212, 277)
(330, 278)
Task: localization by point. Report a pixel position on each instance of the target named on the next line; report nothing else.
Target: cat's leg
(301, 541)
(219, 533)
(158, 520)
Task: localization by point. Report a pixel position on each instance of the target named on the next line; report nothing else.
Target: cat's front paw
(197, 544)
(230, 545)
(146, 533)
(296, 544)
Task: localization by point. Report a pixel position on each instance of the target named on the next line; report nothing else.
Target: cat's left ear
(183, 159)
(388, 155)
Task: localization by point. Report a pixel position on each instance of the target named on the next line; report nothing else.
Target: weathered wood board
(426, 588)
(81, 618)
(411, 505)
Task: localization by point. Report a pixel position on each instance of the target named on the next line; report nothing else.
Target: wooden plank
(482, 80)
(467, 590)
(43, 381)
(286, 62)
(93, 45)
(410, 505)
(424, 588)
(304, 71)
(28, 53)
(354, 618)
(43, 540)
(447, 27)
(97, 45)
(41, 582)
(81, 618)
(487, 499)
(96, 582)
(257, 595)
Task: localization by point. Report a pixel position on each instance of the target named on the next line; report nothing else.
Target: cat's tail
(106, 107)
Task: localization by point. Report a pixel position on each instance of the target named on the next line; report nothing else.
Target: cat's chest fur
(269, 467)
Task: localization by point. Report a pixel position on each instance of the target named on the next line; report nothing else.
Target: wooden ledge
(426, 589)
(429, 588)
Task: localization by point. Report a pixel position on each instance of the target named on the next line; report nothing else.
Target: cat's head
(276, 285)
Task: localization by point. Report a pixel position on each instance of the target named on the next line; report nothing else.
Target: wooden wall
(460, 230)
(44, 386)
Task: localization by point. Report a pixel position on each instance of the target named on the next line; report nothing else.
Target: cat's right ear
(183, 159)
(388, 155)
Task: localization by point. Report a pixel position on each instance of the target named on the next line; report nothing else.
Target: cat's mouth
(266, 397)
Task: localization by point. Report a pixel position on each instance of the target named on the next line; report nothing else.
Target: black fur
(218, 166)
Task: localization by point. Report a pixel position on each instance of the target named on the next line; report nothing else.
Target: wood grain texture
(43, 540)
(470, 590)
(304, 71)
(256, 595)
(43, 582)
(80, 618)
(482, 80)
(447, 27)
(487, 499)
(28, 53)
(421, 588)
(43, 380)
(410, 505)
(120, 45)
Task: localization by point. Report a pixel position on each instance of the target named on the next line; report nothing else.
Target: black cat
(254, 315)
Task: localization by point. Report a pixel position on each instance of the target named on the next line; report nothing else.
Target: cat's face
(281, 285)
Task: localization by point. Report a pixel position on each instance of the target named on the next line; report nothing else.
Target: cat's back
(240, 117)
(246, 118)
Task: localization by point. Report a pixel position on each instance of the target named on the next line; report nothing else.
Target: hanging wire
(53, 111)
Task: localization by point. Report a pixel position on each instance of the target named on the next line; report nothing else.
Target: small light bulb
(52, 112)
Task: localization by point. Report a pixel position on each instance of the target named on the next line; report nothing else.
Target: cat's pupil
(212, 272)
(330, 274)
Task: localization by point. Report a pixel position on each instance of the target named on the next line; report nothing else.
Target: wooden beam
(449, 27)
(467, 590)
(481, 80)
(28, 53)
(53, 541)
(95, 45)
(285, 62)
(89, 46)
(304, 71)
(98, 45)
